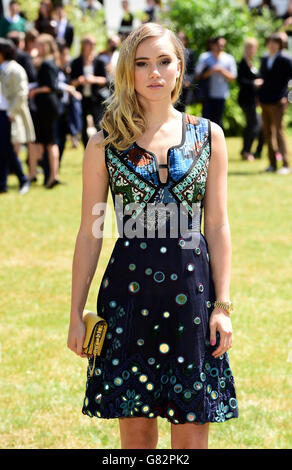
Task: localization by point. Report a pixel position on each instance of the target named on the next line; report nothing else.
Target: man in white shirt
(219, 68)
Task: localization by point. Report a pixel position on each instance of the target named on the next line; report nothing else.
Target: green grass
(43, 383)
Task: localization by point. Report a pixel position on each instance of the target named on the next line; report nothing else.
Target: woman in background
(249, 80)
(47, 102)
(45, 22)
(88, 75)
(30, 43)
(69, 93)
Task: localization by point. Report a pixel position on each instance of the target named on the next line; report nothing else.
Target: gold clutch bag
(95, 330)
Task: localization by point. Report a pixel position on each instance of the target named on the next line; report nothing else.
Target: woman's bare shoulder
(97, 139)
(95, 153)
(216, 131)
(218, 144)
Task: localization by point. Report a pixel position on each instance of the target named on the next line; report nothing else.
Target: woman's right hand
(76, 337)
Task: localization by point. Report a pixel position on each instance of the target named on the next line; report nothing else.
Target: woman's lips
(155, 85)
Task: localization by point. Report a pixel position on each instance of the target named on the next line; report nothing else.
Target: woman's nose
(154, 72)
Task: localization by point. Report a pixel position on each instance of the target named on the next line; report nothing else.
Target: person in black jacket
(45, 23)
(126, 25)
(276, 71)
(65, 30)
(68, 93)
(249, 80)
(187, 96)
(47, 101)
(88, 75)
(22, 57)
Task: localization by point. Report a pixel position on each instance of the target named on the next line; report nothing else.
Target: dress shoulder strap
(209, 136)
(201, 129)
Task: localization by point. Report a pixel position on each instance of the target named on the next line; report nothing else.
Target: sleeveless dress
(157, 293)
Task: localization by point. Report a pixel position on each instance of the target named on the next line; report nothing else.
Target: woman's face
(41, 48)
(88, 47)
(156, 69)
(44, 9)
(251, 50)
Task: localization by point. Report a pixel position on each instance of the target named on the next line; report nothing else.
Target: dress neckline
(156, 163)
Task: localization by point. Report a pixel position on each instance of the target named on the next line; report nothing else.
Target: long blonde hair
(124, 119)
(50, 47)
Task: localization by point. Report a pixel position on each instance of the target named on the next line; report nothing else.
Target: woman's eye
(163, 62)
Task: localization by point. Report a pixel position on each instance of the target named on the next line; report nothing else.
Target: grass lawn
(42, 383)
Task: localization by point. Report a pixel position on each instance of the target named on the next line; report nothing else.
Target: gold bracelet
(228, 306)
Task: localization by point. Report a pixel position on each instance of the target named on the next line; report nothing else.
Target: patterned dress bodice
(135, 182)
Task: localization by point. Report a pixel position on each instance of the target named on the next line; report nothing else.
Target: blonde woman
(48, 107)
(249, 81)
(165, 351)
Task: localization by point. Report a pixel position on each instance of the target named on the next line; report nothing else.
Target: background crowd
(48, 97)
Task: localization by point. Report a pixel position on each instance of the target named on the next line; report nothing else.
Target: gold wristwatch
(228, 306)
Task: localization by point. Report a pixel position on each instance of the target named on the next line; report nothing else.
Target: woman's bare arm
(216, 225)
(217, 234)
(88, 245)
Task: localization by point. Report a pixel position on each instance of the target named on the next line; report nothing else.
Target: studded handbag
(95, 330)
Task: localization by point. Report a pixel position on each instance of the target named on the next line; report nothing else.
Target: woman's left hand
(221, 322)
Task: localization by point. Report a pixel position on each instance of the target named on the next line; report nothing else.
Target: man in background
(13, 21)
(65, 30)
(276, 71)
(219, 68)
(22, 57)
